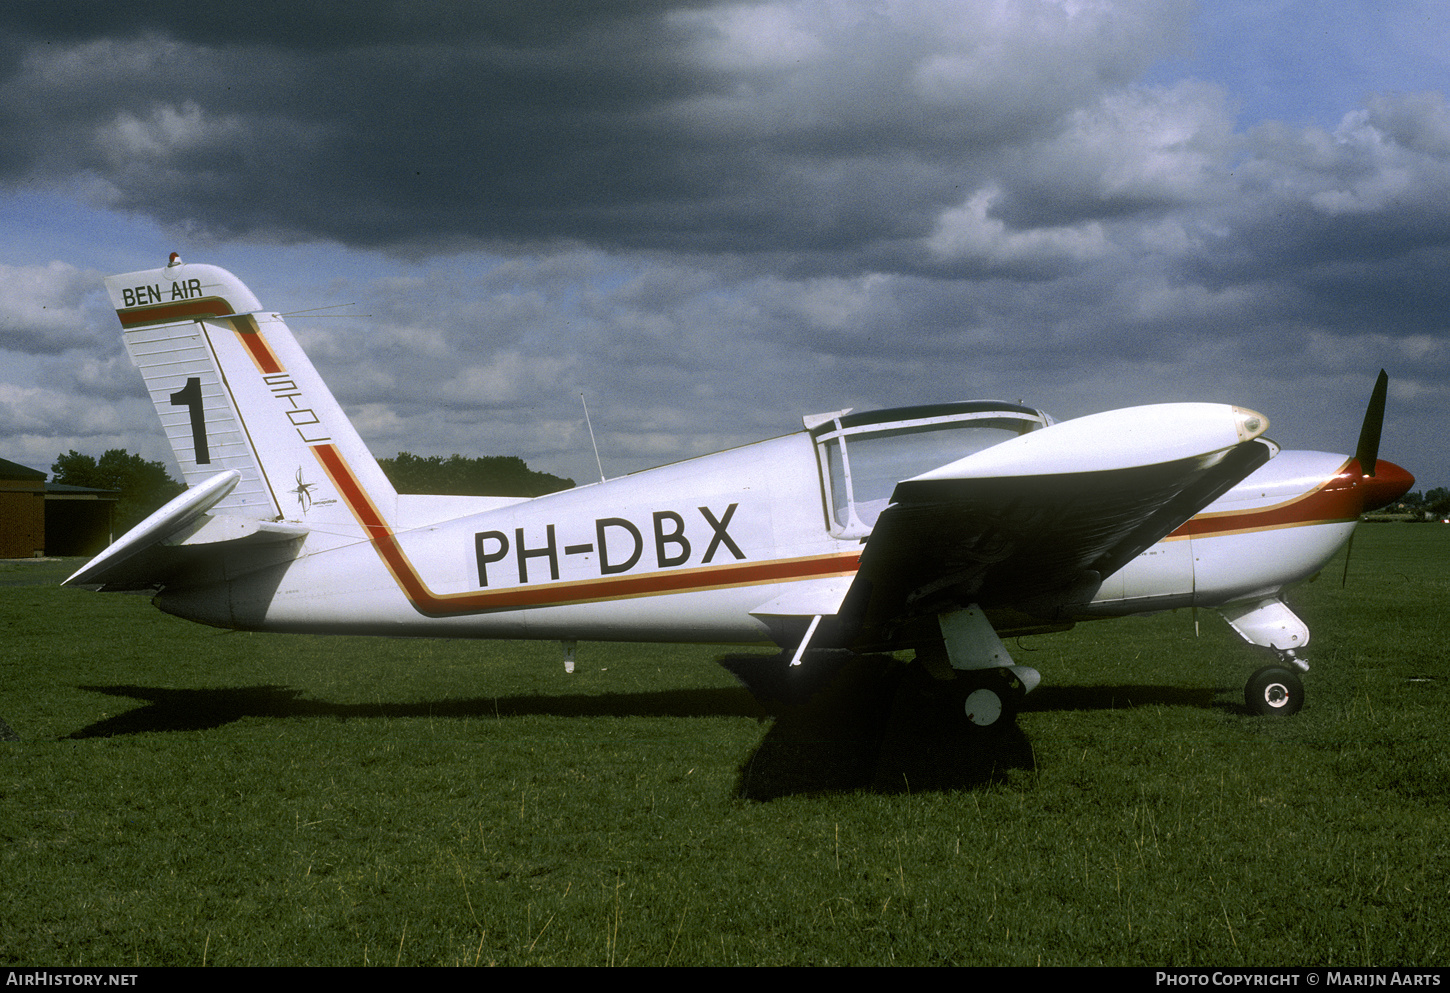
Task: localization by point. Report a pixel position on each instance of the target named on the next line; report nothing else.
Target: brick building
(22, 511)
(40, 518)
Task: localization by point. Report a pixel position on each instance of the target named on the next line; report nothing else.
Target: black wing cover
(1035, 545)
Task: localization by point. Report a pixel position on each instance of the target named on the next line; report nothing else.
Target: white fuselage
(681, 552)
(700, 551)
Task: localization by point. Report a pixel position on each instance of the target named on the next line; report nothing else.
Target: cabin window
(863, 456)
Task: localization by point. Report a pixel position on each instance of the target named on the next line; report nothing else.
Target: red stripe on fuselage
(1339, 499)
(433, 604)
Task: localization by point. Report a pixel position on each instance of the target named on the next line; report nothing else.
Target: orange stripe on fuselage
(1334, 501)
(425, 601)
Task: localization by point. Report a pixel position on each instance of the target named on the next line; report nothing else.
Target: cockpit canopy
(864, 455)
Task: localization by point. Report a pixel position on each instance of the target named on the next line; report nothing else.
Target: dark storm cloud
(1351, 229)
(835, 130)
(364, 123)
(722, 215)
(326, 25)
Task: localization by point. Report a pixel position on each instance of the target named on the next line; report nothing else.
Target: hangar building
(39, 518)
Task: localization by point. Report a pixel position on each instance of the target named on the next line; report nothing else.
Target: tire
(1274, 691)
(988, 699)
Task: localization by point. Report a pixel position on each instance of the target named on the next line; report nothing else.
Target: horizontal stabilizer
(179, 536)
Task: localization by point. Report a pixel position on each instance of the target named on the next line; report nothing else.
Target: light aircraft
(938, 529)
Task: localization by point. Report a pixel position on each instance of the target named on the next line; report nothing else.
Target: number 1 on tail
(189, 396)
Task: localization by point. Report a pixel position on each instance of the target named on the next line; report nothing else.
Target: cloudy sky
(711, 218)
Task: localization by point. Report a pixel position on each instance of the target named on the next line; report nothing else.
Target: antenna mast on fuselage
(590, 425)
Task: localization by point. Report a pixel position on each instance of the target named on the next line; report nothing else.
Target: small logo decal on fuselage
(304, 492)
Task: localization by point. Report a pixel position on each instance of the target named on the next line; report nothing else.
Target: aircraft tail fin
(235, 391)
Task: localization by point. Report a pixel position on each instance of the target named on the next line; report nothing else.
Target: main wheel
(1274, 690)
(983, 707)
(988, 698)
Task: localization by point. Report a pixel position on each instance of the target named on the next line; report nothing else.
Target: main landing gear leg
(1269, 623)
(986, 685)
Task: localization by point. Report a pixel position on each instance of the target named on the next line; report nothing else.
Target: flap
(820, 598)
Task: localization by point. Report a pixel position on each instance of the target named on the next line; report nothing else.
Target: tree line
(143, 487)
(488, 475)
(1433, 503)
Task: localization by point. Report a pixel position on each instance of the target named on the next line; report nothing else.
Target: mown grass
(183, 796)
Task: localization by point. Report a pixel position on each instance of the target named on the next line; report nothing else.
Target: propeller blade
(1368, 450)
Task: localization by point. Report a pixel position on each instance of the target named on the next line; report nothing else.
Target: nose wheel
(1274, 690)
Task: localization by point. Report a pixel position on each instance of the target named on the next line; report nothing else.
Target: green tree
(489, 475)
(1437, 501)
(142, 486)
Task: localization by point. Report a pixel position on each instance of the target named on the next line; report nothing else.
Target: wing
(1033, 525)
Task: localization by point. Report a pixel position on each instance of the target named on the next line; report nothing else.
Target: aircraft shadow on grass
(199, 710)
(874, 727)
(844, 738)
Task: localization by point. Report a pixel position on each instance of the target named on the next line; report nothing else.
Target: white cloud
(38, 410)
(43, 307)
(1159, 145)
(167, 130)
(753, 38)
(971, 233)
(509, 377)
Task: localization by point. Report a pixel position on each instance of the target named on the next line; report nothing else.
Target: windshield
(864, 456)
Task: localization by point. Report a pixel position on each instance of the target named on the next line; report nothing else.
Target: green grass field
(186, 796)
